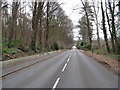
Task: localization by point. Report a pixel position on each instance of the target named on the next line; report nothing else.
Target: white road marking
(69, 56)
(56, 83)
(68, 60)
(64, 67)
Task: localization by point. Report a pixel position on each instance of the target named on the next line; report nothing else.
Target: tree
(44, 26)
(96, 22)
(83, 29)
(60, 29)
(0, 31)
(12, 33)
(112, 12)
(118, 14)
(36, 23)
(104, 28)
(5, 20)
(88, 13)
(40, 13)
(51, 8)
(34, 26)
(109, 26)
(47, 26)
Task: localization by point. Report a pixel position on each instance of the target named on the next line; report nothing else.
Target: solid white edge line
(56, 83)
(64, 67)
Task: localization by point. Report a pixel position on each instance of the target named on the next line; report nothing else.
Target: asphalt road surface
(69, 69)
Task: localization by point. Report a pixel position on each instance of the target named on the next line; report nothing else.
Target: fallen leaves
(111, 64)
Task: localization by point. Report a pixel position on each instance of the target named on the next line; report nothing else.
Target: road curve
(70, 69)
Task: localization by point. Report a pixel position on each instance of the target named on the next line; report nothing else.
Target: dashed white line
(56, 83)
(69, 56)
(64, 67)
(68, 60)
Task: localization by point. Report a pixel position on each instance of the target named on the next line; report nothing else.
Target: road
(69, 69)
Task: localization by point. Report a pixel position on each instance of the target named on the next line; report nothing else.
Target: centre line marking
(68, 60)
(56, 83)
(64, 67)
(69, 56)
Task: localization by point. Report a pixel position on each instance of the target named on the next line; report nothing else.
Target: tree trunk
(109, 26)
(113, 25)
(12, 33)
(0, 21)
(104, 28)
(98, 37)
(88, 26)
(34, 27)
(40, 13)
(47, 27)
(37, 24)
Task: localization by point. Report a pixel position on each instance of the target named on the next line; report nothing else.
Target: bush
(55, 46)
(78, 45)
(4, 44)
(15, 43)
(10, 51)
(87, 46)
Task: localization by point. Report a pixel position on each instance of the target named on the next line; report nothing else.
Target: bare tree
(109, 26)
(112, 11)
(40, 13)
(47, 26)
(85, 7)
(96, 22)
(104, 28)
(12, 33)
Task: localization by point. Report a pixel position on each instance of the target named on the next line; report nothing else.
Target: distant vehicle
(74, 47)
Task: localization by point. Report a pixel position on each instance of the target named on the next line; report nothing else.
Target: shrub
(78, 45)
(4, 44)
(55, 46)
(15, 43)
(87, 46)
(10, 51)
